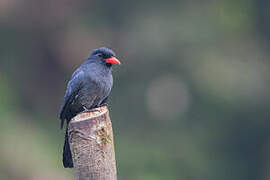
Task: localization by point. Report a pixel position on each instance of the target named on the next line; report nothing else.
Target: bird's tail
(67, 156)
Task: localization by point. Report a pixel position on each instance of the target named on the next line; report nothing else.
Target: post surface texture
(92, 147)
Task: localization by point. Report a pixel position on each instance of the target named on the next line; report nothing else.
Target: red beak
(112, 60)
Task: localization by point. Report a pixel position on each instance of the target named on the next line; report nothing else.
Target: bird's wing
(73, 87)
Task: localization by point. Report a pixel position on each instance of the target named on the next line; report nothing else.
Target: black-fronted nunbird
(88, 88)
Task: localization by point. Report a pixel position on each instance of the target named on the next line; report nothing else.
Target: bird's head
(104, 55)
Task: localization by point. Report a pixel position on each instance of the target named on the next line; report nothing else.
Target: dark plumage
(89, 87)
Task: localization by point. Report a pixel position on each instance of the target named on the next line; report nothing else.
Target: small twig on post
(92, 147)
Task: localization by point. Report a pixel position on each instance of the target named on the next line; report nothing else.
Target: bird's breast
(95, 89)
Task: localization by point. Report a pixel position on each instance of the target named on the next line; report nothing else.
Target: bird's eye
(99, 55)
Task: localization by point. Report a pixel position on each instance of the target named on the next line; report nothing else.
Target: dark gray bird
(88, 88)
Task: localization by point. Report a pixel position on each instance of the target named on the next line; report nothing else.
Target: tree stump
(92, 146)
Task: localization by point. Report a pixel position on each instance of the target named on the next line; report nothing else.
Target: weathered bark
(92, 147)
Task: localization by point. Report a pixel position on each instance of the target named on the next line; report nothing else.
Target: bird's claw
(94, 109)
(89, 110)
(104, 104)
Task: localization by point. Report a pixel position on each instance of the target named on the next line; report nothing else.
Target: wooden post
(92, 147)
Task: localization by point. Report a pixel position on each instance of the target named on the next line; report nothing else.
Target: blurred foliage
(190, 100)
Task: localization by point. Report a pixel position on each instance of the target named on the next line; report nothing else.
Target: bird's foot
(103, 104)
(89, 110)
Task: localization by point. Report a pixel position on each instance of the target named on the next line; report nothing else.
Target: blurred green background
(190, 100)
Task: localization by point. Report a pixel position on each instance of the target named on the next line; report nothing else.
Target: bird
(88, 88)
